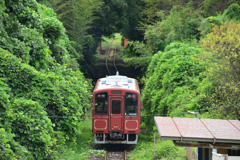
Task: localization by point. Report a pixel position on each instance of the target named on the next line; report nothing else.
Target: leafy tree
(233, 12)
(77, 17)
(211, 7)
(153, 12)
(39, 78)
(120, 16)
(180, 25)
(62, 92)
(171, 80)
(33, 132)
(32, 32)
(221, 47)
(9, 148)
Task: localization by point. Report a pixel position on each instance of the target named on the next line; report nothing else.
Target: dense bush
(9, 148)
(62, 92)
(233, 12)
(43, 93)
(32, 128)
(221, 47)
(32, 32)
(180, 25)
(171, 79)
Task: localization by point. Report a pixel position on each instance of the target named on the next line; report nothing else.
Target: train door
(116, 114)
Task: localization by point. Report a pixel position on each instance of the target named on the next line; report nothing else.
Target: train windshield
(101, 103)
(131, 103)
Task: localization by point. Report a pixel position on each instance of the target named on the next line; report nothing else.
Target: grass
(144, 150)
(164, 149)
(83, 148)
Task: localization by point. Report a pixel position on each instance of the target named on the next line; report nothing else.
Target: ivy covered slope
(197, 75)
(42, 92)
(171, 80)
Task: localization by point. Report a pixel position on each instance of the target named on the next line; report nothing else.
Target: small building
(212, 137)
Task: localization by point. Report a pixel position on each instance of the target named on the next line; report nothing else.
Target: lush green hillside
(192, 74)
(43, 93)
(187, 52)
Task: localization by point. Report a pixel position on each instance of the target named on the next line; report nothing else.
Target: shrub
(180, 25)
(233, 12)
(222, 48)
(32, 128)
(172, 76)
(10, 149)
(62, 92)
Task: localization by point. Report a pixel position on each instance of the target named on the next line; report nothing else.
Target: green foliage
(138, 49)
(233, 12)
(55, 36)
(119, 16)
(114, 41)
(212, 7)
(208, 23)
(10, 149)
(163, 149)
(43, 94)
(32, 128)
(221, 48)
(62, 92)
(180, 25)
(25, 33)
(77, 17)
(82, 149)
(171, 79)
(155, 11)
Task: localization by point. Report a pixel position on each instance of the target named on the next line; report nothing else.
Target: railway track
(116, 155)
(116, 152)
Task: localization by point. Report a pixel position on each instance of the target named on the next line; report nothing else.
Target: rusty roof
(199, 130)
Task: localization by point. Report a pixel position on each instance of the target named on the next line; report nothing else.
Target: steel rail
(109, 155)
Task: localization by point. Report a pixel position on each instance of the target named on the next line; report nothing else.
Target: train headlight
(101, 95)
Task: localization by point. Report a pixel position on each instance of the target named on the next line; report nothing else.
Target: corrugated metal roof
(199, 130)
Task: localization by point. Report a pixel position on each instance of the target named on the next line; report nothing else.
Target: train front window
(116, 106)
(101, 103)
(131, 103)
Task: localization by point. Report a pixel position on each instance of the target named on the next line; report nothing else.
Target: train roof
(117, 81)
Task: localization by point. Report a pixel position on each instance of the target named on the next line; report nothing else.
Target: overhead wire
(114, 60)
(108, 51)
(146, 115)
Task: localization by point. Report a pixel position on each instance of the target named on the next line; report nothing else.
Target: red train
(116, 110)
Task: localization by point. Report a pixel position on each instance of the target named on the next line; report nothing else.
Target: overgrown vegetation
(189, 75)
(83, 148)
(164, 149)
(221, 47)
(44, 94)
(187, 52)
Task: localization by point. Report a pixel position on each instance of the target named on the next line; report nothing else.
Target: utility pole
(197, 116)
